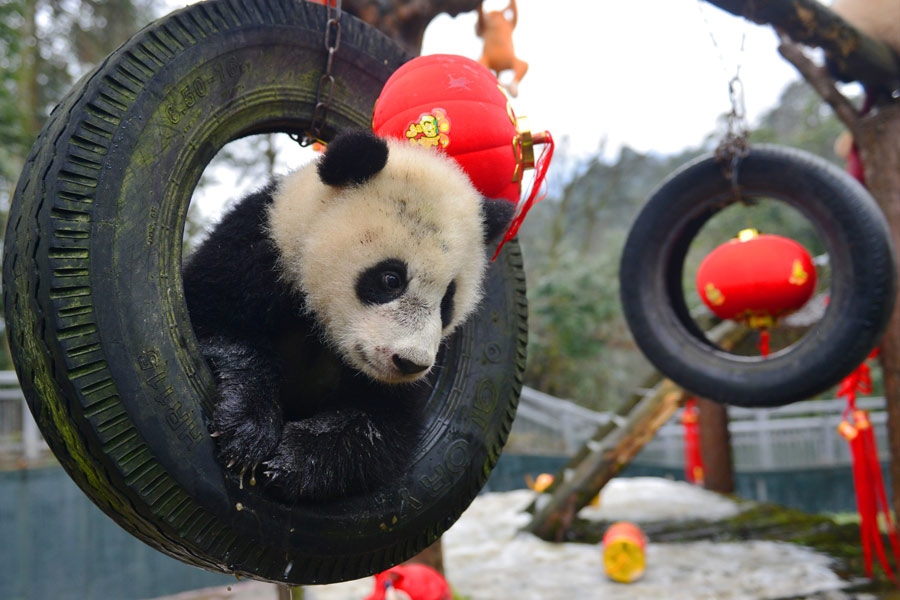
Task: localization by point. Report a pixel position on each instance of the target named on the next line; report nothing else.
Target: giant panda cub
(320, 304)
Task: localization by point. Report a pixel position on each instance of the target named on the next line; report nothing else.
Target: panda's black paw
(244, 442)
(330, 455)
(246, 420)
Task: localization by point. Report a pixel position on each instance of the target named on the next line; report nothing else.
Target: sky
(649, 74)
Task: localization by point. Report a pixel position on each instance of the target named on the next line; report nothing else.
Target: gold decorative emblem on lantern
(716, 297)
(798, 274)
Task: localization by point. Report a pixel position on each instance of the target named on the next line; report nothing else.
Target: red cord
(543, 163)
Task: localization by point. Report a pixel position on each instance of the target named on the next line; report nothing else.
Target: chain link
(325, 91)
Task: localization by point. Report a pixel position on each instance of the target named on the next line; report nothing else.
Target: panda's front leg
(339, 453)
(247, 419)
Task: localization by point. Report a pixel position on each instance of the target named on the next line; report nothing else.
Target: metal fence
(800, 435)
(547, 425)
(797, 436)
(19, 435)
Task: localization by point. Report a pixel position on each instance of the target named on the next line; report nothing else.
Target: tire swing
(863, 280)
(99, 329)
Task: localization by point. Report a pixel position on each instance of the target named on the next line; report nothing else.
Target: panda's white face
(389, 267)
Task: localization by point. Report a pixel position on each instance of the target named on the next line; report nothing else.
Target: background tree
(44, 46)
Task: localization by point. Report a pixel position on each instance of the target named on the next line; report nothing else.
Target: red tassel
(693, 459)
(868, 480)
(870, 449)
(763, 345)
(540, 174)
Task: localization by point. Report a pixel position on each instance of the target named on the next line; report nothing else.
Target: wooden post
(715, 447)
(290, 592)
(432, 556)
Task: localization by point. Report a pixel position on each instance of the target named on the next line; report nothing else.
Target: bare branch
(852, 55)
(819, 79)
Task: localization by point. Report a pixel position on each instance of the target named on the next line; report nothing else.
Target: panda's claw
(215, 434)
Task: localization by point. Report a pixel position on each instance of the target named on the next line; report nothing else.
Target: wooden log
(852, 55)
(552, 520)
(726, 333)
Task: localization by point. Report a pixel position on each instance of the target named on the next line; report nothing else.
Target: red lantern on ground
(756, 279)
(456, 105)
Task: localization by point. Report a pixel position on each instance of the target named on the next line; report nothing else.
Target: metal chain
(325, 91)
(734, 145)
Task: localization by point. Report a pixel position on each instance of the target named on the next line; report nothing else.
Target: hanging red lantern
(756, 279)
(453, 104)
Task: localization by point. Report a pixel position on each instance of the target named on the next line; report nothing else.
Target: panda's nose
(406, 366)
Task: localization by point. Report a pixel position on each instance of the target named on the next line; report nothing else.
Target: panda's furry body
(320, 303)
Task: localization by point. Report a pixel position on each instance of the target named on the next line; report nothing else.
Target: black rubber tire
(99, 329)
(863, 278)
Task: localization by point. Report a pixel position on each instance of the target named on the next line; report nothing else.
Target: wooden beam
(852, 55)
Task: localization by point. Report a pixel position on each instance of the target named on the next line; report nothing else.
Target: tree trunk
(27, 76)
(405, 20)
(878, 137)
(715, 447)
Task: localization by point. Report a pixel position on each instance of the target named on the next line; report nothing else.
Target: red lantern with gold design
(453, 103)
(756, 278)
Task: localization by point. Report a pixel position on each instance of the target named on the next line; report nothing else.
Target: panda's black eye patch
(447, 305)
(383, 282)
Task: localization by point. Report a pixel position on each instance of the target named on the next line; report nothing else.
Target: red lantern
(756, 278)
(455, 104)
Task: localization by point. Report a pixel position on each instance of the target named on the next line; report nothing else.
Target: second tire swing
(861, 298)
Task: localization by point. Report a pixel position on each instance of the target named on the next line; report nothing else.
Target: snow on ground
(644, 499)
(486, 557)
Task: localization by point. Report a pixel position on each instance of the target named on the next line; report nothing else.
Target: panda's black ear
(497, 215)
(352, 158)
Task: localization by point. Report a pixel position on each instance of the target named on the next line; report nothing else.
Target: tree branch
(819, 79)
(851, 54)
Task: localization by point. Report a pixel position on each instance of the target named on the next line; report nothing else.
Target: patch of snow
(487, 557)
(645, 499)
